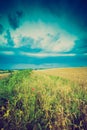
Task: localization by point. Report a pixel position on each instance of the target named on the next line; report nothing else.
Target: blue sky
(43, 33)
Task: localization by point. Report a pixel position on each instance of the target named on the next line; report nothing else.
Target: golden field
(4, 75)
(78, 75)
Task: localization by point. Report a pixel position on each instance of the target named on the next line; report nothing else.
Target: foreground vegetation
(32, 100)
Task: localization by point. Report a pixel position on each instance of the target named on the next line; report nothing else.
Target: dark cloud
(8, 5)
(77, 7)
(75, 11)
(15, 19)
(70, 12)
(1, 29)
(9, 39)
(19, 13)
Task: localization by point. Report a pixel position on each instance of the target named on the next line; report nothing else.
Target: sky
(43, 33)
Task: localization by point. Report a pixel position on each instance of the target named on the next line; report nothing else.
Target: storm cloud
(15, 19)
(1, 29)
(37, 29)
(10, 42)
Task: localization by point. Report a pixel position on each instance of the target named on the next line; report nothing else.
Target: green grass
(34, 101)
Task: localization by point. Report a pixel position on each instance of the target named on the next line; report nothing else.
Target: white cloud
(46, 37)
(45, 54)
(62, 42)
(33, 30)
(49, 39)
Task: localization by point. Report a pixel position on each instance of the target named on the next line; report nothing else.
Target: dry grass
(77, 75)
(4, 75)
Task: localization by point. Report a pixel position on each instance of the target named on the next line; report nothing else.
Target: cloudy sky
(43, 33)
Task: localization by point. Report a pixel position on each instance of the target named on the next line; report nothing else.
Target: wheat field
(78, 75)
